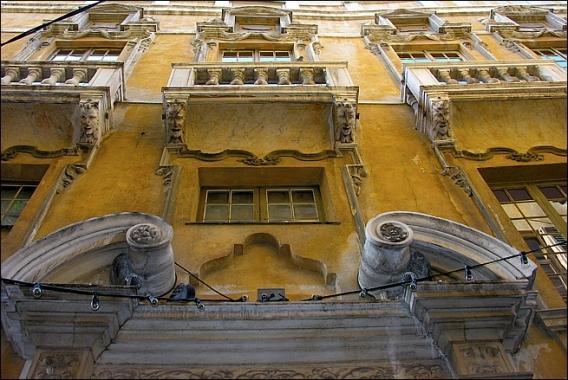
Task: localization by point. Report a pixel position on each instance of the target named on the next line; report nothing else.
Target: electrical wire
(99, 293)
(35, 29)
(204, 283)
(427, 278)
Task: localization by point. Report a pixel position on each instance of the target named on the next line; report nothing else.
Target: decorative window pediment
(105, 17)
(519, 20)
(243, 24)
(407, 25)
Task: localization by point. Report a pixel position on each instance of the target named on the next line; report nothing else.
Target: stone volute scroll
(387, 255)
(151, 255)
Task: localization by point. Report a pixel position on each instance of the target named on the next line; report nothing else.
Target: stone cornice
(533, 154)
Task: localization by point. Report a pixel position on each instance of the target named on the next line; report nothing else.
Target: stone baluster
(238, 76)
(543, 75)
(504, 73)
(307, 75)
(78, 76)
(523, 74)
(484, 76)
(214, 76)
(283, 76)
(34, 73)
(55, 75)
(261, 75)
(467, 77)
(445, 76)
(11, 74)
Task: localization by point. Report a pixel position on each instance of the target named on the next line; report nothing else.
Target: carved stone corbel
(71, 172)
(344, 118)
(439, 128)
(167, 173)
(11, 74)
(457, 175)
(90, 122)
(175, 122)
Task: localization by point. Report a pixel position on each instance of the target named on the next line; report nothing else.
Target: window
(256, 56)
(538, 212)
(430, 56)
(261, 205)
(89, 55)
(14, 197)
(556, 55)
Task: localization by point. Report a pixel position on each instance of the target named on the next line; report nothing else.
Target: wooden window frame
(88, 52)
(428, 54)
(261, 204)
(256, 55)
(20, 185)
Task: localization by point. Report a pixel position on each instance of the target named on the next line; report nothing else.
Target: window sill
(259, 223)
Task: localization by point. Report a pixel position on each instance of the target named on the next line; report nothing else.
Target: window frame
(557, 53)
(88, 52)
(428, 54)
(261, 213)
(20, 185)
(551, 261)
(256, 55)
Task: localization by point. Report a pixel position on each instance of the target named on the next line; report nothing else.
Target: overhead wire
(60, 18)
(102, 293)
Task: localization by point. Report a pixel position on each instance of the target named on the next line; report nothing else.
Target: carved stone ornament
(440, 113)
(167, 173)
(145, 234)
(400, 370)
(90, 122)
(57, 365)
(69, 174)
(345, 114)
(176, 119)
(457, 176)
(392, 232)
(525, 157)
(481, 358)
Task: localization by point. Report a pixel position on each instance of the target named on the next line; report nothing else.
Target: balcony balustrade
(430, 88)
(499, 74)
(63, 75)
(268, 78)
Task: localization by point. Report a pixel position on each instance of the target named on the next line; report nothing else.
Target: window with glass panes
(538, 212)
(256, 56)
(430, 56)
(261, 205)
(92, 55)
(14, 197)
(556, 55)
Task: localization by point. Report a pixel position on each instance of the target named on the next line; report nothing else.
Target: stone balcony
(431, 87)
(62, 77)
(260, 88)
(73, 103)
(320, 80)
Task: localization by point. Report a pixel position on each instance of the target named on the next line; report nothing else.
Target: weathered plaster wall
(122, 176)
(257, 127)
(47, 126)
(366, 69)
(516, 124)
(154, 68)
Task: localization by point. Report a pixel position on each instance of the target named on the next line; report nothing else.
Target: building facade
(297, 189)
